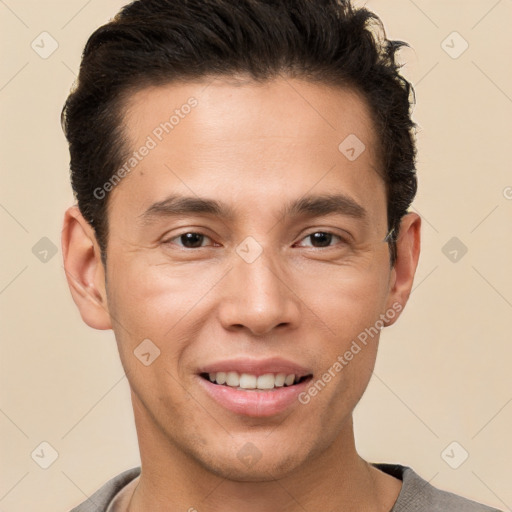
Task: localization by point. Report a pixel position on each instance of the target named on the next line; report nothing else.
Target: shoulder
(418, 495)
(99, 501)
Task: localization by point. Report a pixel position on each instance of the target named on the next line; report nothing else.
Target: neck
(336, 478)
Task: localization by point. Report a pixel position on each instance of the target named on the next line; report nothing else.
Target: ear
(84, 269)
(407, 255)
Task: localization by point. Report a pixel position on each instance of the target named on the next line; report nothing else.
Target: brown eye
(192, 240)
(189, 240)
(321, 239)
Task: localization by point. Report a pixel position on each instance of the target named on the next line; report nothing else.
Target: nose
(259, 297)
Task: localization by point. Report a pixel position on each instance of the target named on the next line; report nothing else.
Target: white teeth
(266, 381)
(280, 378)
(249, 381)
(232, 379)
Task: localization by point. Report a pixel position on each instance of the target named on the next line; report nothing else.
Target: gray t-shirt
(416, 495)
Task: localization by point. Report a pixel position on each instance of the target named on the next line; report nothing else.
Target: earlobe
(84, 269)
(408, 252)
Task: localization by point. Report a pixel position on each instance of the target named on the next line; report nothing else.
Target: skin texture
(254, 147)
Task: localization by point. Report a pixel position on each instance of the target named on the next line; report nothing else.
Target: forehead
(281, 107)
(245, 139)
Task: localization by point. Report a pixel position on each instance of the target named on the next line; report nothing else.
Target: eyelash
(170, 240)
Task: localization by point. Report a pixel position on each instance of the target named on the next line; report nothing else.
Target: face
(246, 244)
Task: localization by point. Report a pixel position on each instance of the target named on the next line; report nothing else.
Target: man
(243, 171)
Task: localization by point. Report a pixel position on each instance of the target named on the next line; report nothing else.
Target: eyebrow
(327, 204)
(308, 206)
(176, 205)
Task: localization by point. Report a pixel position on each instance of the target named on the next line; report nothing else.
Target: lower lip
(254, 402)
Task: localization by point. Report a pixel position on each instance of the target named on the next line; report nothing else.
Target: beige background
(443, 372)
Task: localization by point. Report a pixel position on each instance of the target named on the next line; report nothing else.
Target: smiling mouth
(251, 382)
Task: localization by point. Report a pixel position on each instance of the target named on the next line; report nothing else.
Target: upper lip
(256, 366)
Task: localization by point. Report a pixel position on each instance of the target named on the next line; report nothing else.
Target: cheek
(346, 299)
(349, 305)
(159, 309)
(150, 300)
(151, 306)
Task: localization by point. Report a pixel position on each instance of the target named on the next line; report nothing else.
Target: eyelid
(342, 233)
(169, 240)
(344, 239)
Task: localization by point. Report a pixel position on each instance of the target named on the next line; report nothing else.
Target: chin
(249, 464)
(265, 470)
